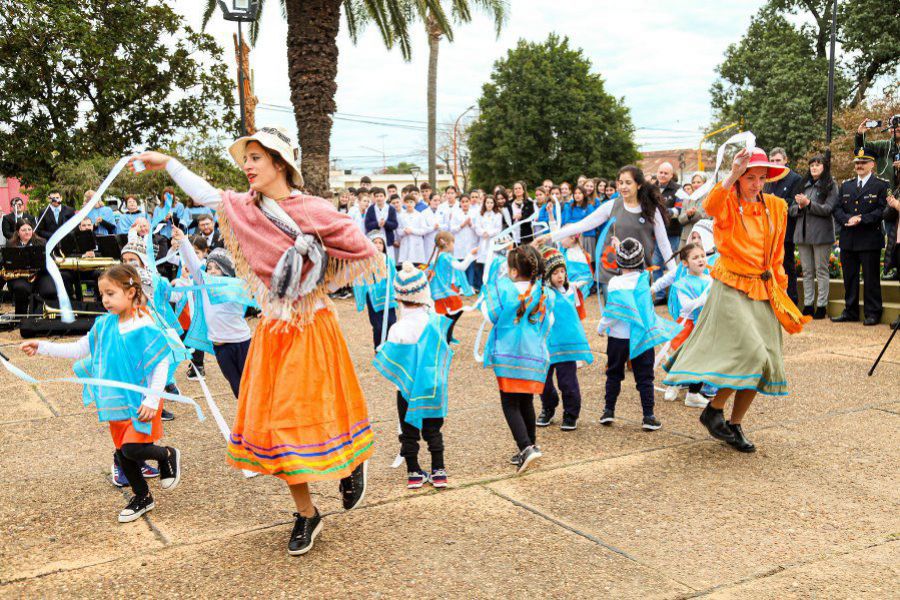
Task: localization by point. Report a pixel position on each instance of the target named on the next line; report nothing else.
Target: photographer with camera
(887, 166)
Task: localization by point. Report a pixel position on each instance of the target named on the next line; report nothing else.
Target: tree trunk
(434, 40)
(312, 55)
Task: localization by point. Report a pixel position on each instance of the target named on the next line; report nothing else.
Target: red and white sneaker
(416, 479)
(439, 478)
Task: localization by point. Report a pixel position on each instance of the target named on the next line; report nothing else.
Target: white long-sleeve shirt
(225, 322)
(81, 349)
(431, 218)
(462, 226)
(411, 230)
(409, 327)
(619, 329)
(601, 216)
(487, 226)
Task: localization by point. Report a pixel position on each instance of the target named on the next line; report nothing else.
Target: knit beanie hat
(377, 235)
(222, 259)
(411, 286)
(553, 259)
(135, 247)
(630, 254)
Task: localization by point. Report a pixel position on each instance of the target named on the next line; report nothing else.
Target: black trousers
(409, 439)
(43, 286)
(790, 268)
(376, 319)
(851, 262)
(454, 318)
(519, 412)
(231, 358)
(131, 456)
(642, 366)
(567, 378)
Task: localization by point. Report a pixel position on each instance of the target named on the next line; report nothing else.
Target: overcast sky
(659, 55)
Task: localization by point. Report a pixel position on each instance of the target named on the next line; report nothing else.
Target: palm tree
(461, 11)
(312, 54)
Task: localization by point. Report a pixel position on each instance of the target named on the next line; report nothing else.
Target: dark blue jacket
(870, 203)
(390, 223)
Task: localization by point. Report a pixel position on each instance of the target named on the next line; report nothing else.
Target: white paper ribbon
(749, 142)
(65, 305)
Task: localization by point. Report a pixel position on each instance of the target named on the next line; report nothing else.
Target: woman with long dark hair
(814, 233)
(501, 198)
(639, 214)
(574, 212)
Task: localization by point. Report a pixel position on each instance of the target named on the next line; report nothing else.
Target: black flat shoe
(740, 441)
(353, 487)
(304, 533)
(820, 313)
(714, 421)
(844, 318)
(870, 321)
(808, 311)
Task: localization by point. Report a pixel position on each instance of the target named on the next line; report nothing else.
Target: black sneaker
(515, 459)
(170, 470)
(528, 456)
(353, 487)
(608, 417)
(651, 423)
(569, 423)
(714, 421)
(167, 416)
(545, 418)
(740, 442)
(137, 506)
(193, 370)
(304, 533)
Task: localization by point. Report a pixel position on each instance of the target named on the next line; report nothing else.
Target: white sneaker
(672, 393)
(695, 400)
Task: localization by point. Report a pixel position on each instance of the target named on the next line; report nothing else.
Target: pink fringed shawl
(256, 245)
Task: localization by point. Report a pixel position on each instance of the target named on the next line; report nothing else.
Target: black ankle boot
(820, 313)
(714, 421)
(740, 442)
(808, 311)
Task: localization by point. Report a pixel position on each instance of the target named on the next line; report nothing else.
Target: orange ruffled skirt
(301, 412)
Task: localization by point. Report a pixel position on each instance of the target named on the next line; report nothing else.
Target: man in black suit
(207, 228)
(786, 188)
(53, 216)
(859, 213)
(16, 212)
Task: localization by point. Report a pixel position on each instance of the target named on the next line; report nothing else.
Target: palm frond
(208, 11)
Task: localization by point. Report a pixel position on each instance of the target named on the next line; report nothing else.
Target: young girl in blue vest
(373, 295)
(633, 329)
(448, 278)
(127, 346)
(568, 345)
(416, 359)
(521, 313)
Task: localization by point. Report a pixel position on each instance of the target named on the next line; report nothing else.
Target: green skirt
(736, 344)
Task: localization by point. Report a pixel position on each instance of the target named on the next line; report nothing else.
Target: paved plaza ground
(609, 512)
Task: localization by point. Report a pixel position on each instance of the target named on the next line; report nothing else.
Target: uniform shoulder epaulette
(882, 179)
(848, 179)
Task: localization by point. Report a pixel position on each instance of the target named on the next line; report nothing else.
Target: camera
(873, 123)
(895, 121)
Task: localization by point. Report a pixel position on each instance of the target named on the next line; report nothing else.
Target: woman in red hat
(736, 343)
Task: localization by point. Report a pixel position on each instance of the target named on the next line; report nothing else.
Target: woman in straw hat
(301, 412)
(736, 343)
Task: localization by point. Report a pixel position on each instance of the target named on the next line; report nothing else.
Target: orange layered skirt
(123, 432)
(301, 412)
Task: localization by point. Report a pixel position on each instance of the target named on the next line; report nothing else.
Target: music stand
(85, 241)
(109, 246)
(28, 258)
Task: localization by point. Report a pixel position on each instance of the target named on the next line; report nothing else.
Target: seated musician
(141, 229)
(23, 284)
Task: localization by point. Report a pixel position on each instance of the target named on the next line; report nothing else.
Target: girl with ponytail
(516, 349)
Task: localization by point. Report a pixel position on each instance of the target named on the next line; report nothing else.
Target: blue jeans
(470, 276)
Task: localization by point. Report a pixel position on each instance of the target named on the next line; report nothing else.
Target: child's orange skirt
(448, 305)
(678, 340)
(301, 413)
(520, 386)
(123, 432)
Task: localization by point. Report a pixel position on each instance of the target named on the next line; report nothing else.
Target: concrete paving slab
(811, 489)
(868, 573)
(468, 544)
(67, 525)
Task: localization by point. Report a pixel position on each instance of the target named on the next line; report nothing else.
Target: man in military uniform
(859, 213)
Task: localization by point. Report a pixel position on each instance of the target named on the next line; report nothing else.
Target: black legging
(453, 319)
(131, 456)
(22, 289)
(519, 412)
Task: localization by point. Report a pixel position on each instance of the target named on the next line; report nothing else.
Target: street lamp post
(830, 117)
(241, 11)
(415, 172)
(456, 146)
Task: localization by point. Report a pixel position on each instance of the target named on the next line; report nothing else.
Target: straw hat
(278, 140)
(758, 158)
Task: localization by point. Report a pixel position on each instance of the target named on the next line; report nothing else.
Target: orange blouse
(750, 240)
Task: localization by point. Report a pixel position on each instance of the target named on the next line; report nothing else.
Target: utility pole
(830, 118)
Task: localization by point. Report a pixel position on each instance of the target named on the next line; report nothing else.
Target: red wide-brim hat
(759, 159)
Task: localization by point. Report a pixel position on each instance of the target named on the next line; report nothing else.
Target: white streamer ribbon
(65, 305)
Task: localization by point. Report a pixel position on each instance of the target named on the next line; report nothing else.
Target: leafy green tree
(774, 81)
(101, 77)
(527, 131)
(402, 168)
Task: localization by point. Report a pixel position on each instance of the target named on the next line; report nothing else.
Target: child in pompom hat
(567, 344)
(416, 358)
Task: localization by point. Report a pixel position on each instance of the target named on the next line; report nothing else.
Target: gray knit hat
(222, 259)
(630, 254)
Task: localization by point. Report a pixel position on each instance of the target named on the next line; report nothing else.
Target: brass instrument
(88, 263)
(28, 274)
(53, 313)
